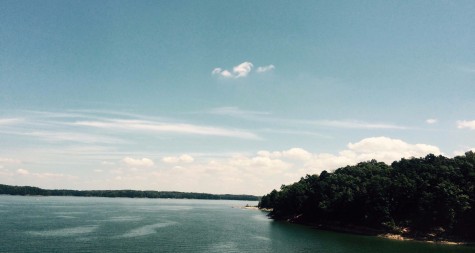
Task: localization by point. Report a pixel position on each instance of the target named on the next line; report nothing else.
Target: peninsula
(430, 199)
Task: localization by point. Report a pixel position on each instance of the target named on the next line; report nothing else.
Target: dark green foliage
(423, 195)
(27, 190)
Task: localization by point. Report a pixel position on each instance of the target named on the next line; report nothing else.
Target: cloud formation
(185, 158)
(470, 124)
(265, 68)
(144, 162)
(431, 121)
(241, 70)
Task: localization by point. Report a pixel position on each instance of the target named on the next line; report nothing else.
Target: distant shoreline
(35, 191)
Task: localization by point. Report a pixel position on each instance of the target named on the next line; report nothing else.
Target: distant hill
(29, 190)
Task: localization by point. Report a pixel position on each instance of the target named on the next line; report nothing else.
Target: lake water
(77, 224)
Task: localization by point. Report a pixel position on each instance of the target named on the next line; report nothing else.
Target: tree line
(434, 195)
(29, 190)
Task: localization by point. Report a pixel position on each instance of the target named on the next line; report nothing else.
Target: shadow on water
(287, 236)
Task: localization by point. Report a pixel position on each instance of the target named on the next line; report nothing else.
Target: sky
(228, 96)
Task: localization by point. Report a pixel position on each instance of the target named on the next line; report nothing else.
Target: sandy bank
(254, 208)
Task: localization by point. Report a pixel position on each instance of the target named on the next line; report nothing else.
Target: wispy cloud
(74, 137)
(265, 68)
(431, 121)
(166, 127)
(10, 121)
(236, 112)
(355, 124)
(295, 132)
(267, 117)
(470, 124)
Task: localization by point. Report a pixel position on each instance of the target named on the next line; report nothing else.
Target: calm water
(74, 224)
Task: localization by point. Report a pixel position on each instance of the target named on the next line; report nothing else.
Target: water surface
(79, 224)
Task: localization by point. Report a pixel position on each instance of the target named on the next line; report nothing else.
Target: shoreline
(361, 230)
(384, 234)
(256, 208)
(442, 241)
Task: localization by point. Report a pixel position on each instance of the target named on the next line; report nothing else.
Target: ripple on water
(66, 217)
(166, 208)
(147, 229)
(65, 232)
(69, 213)
(224, 247)
(263, 238)
(124, 218)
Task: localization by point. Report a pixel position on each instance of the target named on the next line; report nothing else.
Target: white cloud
(297, 154)
(241, 70)
(23, 172)
(470, 124)
(388, 150)
(144, 162)
(185, 158)
(263, 69)
(257, 173)
(462, 151)
(383, 149)
(431, 121)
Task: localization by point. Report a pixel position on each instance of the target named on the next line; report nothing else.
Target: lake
(80, 224)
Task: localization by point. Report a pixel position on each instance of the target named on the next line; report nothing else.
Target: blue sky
(228, 96)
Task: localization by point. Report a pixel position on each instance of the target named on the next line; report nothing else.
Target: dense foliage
(427, 195)
(28, 190)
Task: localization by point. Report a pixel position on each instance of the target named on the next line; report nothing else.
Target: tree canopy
(426, 195)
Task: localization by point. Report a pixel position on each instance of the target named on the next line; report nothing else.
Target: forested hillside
(28, 190)
(419, 197)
